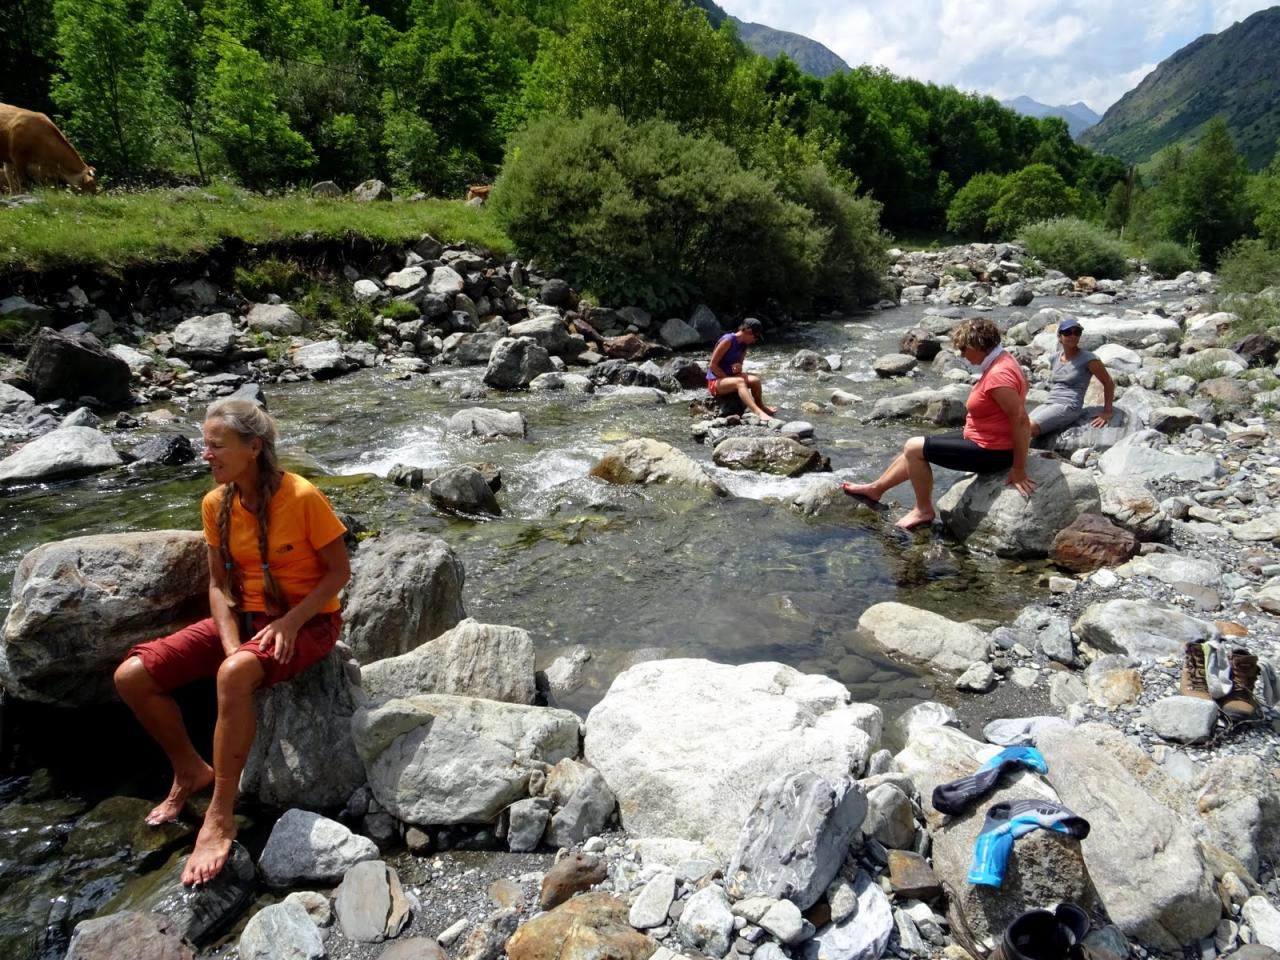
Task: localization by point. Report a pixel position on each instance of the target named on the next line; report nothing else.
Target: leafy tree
(642, 58)
(1036, 192)
(260, 145)
(1264, 195)
(27, 52)
(968, 213)
(175, 64)
(100, 84)
(1214, 209)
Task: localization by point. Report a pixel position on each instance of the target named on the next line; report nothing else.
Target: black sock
(954, 797)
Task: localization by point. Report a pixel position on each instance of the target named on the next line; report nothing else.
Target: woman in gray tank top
(1070, 371)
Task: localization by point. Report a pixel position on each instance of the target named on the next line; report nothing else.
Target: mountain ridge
(808, 54)
(1079, 115)
(1235, 74)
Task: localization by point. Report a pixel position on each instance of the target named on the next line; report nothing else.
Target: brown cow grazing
(478, 191)
(31, 142)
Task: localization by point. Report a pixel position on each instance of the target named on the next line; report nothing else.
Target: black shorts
(953, 451)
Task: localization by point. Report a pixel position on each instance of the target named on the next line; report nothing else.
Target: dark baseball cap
(755, 326)
(1070, 323)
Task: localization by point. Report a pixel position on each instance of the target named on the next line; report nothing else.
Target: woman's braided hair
(248, 420)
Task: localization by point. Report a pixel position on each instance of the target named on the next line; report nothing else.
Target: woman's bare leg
(238, 677)
(893, 475)
(757, 392)
(739, 385)
(160, 716)
(921, 476)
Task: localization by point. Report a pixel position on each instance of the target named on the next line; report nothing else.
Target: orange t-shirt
(299, 522)
(986, 424)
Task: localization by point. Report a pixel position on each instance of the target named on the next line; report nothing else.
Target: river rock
(1183, 719)
(59, 454)
(199, 914)
(487, 424)
(923, 638)
(324, 360)
(706, 923)
(1017, 294)
(590, 927)
(916, 403)
(911, 876)
(1174, 568)
(370, 903)
(584, 799)
(1258, 529)
(1144, 862)
(64, 366)
(465, 490)
(654, 900)
(515, 362)
(1264, 920)
(306, 848)
(987, 511)
(894, 365)
(469, 349)
(281, 931)
(1130, 330)
(471, 659)
(1044, 867)
(677, 334)
(169, 449)
(920, 343)
(1173, 419)
(78, 605)
(551, 334)
(303, 754)
(1131, 504)
(1134, 457)
(205, 338)
(741, 727)
(1142, 628)
(1091, 541)
(778, 455)
(863, 935)
(1238, 799)
(890, 819)
(795, 838)
(128, 934)
(823, 497)
(648, 461)
(406, 589)
(1020, 731)
(435, 759)
(277, 318)
(371, 190)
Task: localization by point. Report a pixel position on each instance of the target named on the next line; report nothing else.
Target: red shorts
(196, 651)
(711, 388)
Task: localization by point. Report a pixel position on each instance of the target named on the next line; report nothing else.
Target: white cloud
(1056, 51)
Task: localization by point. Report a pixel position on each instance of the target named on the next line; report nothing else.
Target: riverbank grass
(121, 230)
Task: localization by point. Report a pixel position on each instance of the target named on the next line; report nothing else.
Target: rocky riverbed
(591, 615)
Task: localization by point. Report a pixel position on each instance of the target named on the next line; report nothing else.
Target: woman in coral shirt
(996, 430)
(276, 563)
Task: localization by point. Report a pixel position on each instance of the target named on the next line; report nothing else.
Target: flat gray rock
(924, 638)
(864, 935)
(472, 659)
(65, 452)
(1183, 719)
(488, 424)
(706, 924)
(370, 903)
(1141, 628)
(281, 931)
(654, 901)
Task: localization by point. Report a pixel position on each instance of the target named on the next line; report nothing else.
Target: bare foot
(213, 846)
(866, 491)
(184, 785)
(915, 518)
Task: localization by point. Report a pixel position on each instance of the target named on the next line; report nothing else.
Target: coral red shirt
(986, 424)
(299, 522)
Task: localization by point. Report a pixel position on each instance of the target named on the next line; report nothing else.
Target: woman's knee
(131, 678)
(240, 674)
(914, 448)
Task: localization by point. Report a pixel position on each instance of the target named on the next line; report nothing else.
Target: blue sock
(954, 797)
(1009, 820)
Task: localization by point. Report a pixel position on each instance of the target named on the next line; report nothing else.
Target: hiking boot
(1193, 683)
(1239, 703)
(1041, 935)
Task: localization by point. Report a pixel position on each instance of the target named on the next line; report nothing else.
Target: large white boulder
(472, 659)
(1129, 330)
(1143, 860)
(688, 745)
(987, 511)
(1137, 456)
(65, 452)
(436, 759)
(1141, 628)
(923, 638)
(647, 461)
(79, 604)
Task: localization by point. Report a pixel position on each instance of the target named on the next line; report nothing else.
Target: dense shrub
(1075, 247)
(1248, 266)
(647, 214)
(851, 259)
(968, 211)
(1036, 192)
(1168, 259)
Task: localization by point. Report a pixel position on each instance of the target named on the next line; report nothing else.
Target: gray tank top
(1068, 380)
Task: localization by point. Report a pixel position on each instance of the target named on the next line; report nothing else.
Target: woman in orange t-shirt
(996, 431)
(277, 561)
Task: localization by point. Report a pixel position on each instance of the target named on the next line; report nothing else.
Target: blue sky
(1055, 51)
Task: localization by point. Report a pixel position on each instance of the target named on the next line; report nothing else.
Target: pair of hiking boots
(1239, 703)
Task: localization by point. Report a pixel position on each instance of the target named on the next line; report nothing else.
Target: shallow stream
(620, 570)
